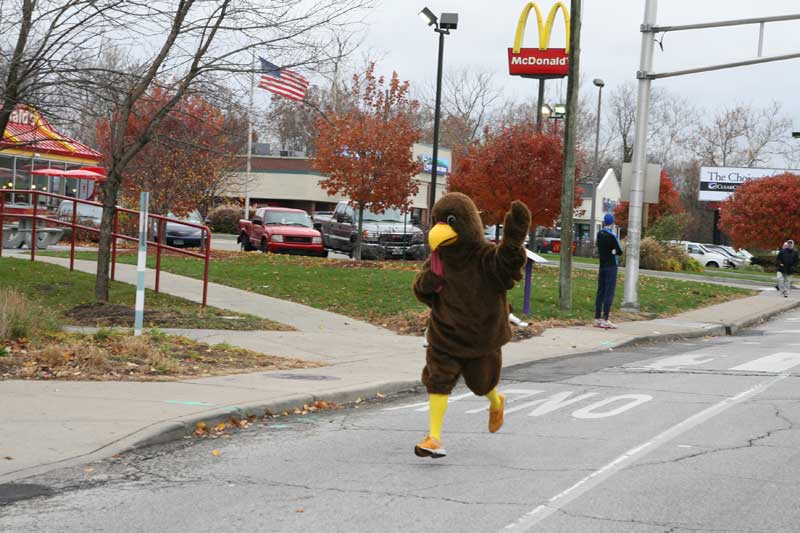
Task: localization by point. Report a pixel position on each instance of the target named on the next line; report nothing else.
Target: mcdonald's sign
(541, 62)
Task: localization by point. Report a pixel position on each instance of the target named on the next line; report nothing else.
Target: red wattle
(437, 268)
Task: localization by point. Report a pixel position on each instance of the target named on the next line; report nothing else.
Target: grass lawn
(381, 291)
(557, 258)
(739, 273)
(69, 295)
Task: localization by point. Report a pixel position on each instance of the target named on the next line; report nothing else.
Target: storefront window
(71, 187)
(22, 180)
(6, 172)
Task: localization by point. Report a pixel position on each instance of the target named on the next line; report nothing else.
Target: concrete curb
(734, 327)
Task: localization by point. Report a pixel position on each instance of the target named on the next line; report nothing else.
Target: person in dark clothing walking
(609, 250)
(785, 264)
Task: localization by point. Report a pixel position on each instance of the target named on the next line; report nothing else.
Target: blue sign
(443, 166)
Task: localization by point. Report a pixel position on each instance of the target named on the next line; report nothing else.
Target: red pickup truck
(281, 230)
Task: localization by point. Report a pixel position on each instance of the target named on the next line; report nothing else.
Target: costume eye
(451, 219)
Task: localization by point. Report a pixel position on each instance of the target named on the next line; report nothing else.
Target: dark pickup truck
(386, 235)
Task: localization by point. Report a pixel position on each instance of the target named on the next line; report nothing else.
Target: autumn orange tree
(763, 213)
(669, 203)
(189, 151)
(514, 162)
(365, 152)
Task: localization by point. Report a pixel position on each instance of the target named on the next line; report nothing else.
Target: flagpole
(249, 138)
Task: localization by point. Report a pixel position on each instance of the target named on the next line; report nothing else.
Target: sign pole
(539, 104)
(526, 299)
(630, 301)
(249, 139)
(141, 263)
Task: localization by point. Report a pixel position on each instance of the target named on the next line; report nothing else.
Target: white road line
(424, 406)
(680, 361)
(777, 362)
(519, 394)
(539, 513)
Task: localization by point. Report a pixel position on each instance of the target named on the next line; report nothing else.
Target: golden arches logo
(545, 28)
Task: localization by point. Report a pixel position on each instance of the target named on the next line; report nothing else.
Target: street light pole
(436, 116)
(630, 300)
(442, 25)
(599, 84)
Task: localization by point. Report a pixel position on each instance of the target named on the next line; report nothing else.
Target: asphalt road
(687, 436)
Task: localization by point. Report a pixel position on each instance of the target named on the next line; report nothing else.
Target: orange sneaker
(430, 447)
(496, 417)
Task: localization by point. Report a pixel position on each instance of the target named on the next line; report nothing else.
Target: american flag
(282, 82)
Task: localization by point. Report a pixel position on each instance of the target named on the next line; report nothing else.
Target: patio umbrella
(48, 172)
(83, 175)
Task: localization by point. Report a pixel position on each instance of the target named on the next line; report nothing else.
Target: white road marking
(777, 362)
(424, 406)
(540, 512)
(591, 411)
(523, 393)
(555, 402)
(678, 361)
(786, 331)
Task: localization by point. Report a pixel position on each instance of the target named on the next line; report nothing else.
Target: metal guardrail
(161, 221)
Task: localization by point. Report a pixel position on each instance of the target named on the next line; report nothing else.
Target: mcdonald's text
(532, 62)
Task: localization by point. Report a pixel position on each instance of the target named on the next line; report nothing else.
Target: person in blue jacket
(609, 251)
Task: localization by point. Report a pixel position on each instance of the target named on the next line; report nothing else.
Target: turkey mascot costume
(464, 282)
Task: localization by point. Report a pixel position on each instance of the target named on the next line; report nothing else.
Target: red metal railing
(35, 216)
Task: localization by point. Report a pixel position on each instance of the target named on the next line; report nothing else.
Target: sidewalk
(61, 423)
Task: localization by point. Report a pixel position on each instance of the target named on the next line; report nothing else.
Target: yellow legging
(438, 408)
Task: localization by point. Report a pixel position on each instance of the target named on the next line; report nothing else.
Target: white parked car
(738, 260)
(707, 257)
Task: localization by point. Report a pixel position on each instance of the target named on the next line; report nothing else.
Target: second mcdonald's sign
(541, 62)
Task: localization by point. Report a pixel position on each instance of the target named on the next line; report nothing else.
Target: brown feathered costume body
(465, 282)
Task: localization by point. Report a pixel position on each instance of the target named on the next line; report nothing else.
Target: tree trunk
(359, 235)
(11, 96)
(497, 233)
(110, 193)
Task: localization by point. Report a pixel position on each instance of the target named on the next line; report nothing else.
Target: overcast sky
(610, 45)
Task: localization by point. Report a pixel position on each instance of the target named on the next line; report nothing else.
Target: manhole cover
(14, 492)
(310, 377)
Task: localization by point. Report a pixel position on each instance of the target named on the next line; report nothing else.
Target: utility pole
(645, 75)
(630, 301)
(568, 186)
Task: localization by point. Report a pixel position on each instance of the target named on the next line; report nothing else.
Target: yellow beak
(441, 235)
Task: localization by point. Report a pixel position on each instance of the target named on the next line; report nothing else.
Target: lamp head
(546, 110)
(559, 110)
(598, 82)
(449, 21)
(428, 17)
